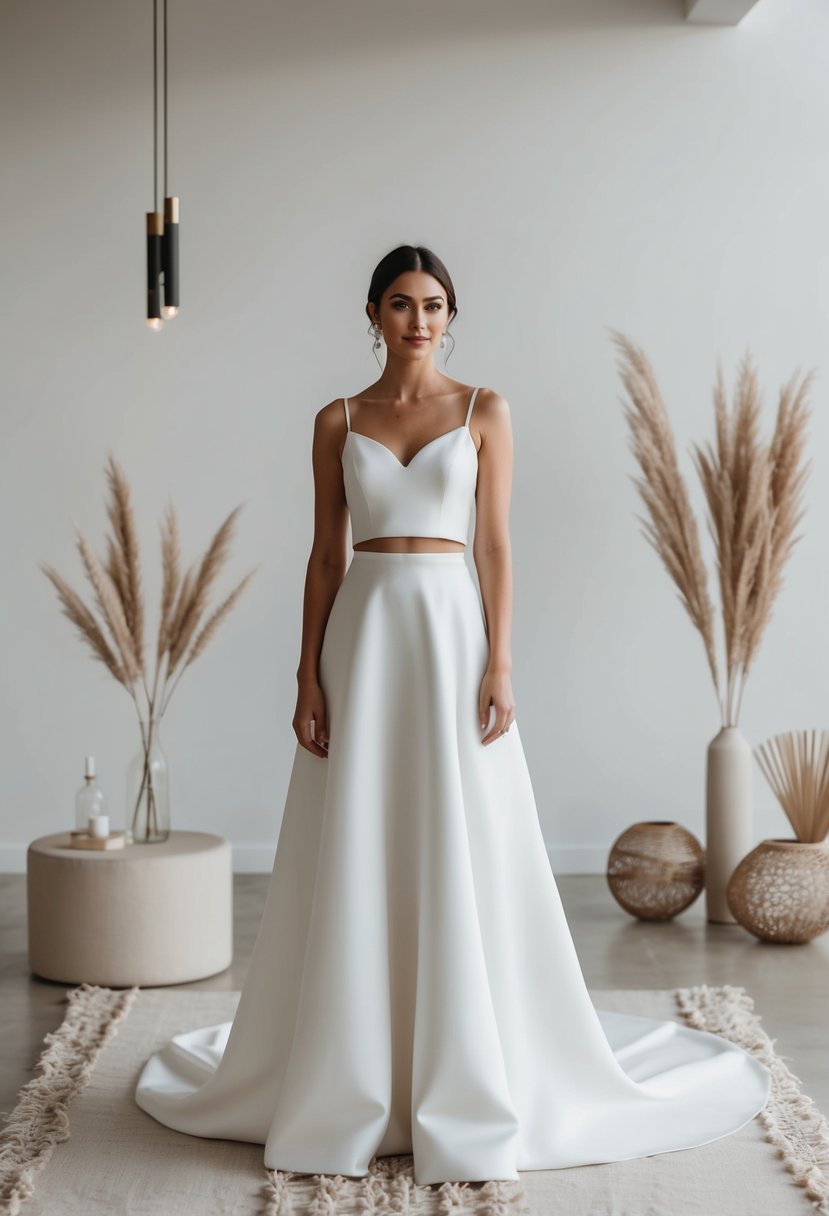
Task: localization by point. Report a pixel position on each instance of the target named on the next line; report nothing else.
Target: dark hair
(409, 257)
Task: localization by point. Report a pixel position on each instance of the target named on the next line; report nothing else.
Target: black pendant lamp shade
(169, 257)
(162, 227)
(155, 236)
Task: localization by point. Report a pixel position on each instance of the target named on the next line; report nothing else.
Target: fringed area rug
(77, 1144)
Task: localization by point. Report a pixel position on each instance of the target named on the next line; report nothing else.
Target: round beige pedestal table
(145, 914)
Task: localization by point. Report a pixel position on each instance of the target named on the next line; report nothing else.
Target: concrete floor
(790, 984)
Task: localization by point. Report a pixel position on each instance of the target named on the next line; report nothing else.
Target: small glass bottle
(89, 799)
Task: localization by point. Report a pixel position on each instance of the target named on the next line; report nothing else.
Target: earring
(376, 331)
(444, 336)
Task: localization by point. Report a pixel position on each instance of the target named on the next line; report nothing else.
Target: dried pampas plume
(119, 597)
(753, 495)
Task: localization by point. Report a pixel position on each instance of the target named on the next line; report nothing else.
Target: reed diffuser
(780, 890)
(796, 766)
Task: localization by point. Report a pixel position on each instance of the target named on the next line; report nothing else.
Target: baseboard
(258, 858)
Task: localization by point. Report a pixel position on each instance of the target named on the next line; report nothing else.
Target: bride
(414, 987)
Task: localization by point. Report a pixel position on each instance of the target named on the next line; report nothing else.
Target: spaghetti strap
(471, 404)
(347, 415)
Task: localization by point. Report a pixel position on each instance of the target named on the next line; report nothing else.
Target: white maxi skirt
(414, 987)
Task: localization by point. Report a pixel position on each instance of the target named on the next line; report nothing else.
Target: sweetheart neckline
(395, 457)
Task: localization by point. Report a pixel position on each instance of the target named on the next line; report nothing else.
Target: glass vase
(148, 789)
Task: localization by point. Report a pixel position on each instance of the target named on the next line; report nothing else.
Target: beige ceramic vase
(780, 890)
(729, 820)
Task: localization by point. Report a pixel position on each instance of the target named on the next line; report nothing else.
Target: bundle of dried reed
(119, 597)
(796, 766)
(753, 492)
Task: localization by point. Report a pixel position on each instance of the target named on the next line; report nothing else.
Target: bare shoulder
(329, 420)
(490, 404)
(491, 418)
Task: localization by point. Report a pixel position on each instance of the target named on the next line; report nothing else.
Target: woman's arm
(325, 571)
(493, 556)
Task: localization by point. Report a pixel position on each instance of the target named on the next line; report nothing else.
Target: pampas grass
(796, 766)
(118, 595)
(753, 493)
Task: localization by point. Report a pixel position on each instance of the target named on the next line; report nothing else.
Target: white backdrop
(578, 166)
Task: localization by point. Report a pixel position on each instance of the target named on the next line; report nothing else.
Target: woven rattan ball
(656, 869)
(780, 890)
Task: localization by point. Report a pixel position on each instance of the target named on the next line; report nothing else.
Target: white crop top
(432, 495)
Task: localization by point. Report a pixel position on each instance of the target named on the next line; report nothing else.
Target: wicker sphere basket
(656, 869)
(780, 890)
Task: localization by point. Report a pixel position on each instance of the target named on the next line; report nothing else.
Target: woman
(414, 987)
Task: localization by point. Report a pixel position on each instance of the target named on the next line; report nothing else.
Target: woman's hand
(496, 690)
(310, 707)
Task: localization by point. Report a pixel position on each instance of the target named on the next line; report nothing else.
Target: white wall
(578, 166)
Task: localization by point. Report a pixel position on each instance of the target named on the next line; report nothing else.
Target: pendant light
(162, 228)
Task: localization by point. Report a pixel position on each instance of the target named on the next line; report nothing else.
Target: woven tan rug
(77, 1144)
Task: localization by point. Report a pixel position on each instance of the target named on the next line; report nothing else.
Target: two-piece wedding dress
(414, 987)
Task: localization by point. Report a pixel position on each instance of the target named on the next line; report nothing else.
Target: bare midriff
(409, 544)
